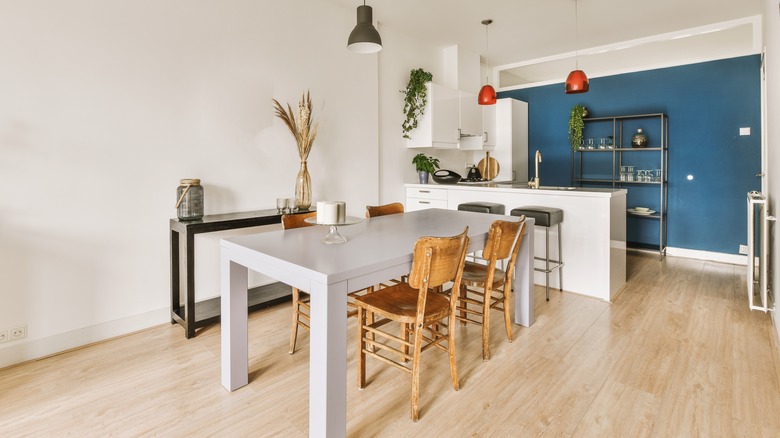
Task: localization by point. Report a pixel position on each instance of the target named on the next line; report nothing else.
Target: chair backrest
(501, 237)
(382, 210)
(438, 260)
(296, 220)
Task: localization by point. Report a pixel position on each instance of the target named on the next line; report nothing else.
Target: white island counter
(593, 228)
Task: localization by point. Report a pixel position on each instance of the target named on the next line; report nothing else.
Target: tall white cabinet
(511, 139)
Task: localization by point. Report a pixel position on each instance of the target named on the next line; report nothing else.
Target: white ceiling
(524, 30)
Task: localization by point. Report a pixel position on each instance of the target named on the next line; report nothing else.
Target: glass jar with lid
(189, 199)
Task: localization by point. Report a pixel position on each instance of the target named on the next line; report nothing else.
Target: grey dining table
(377, 249)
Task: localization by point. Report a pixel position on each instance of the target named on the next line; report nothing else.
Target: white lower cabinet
(423, 198)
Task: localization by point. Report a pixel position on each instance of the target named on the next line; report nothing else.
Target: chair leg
(296, 308)
(418, 332)
(451, 351)
(507, 301)
(463, 292)
(405, 336)
(486, 323)
(361, 316)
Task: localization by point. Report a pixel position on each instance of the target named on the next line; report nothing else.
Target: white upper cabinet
(470, 123)
(453, 119)
(489, 126)
(439, 124)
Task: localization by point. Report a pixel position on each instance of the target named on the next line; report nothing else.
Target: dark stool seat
(482, 207)
(546, 217)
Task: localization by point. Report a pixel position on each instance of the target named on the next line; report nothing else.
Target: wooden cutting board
(488, 167)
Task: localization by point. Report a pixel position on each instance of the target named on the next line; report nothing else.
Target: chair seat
(482, 207)
(474, 274)
(399, 302)
(544, 216)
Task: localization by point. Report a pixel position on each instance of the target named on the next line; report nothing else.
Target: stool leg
(560, 260)
(547, 262)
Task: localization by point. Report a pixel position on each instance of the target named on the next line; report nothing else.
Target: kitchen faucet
(537, 159)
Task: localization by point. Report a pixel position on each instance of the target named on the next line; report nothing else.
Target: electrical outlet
(743, 249)
(17, 332)
(4, 336)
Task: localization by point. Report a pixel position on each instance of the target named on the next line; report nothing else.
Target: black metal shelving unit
(622, 153)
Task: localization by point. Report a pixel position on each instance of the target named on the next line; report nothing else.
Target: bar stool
(482, 207)
(546, 217)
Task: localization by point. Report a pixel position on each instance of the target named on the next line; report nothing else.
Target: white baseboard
(26, 350)
(734, 259)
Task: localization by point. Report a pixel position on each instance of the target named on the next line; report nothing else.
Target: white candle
(327, 212)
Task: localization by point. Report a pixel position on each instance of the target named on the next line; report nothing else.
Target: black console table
(193, 315)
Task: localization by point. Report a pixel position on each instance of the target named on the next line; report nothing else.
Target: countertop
(522, 187)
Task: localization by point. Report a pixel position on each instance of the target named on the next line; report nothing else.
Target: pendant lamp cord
(487, 50)
(576, 37)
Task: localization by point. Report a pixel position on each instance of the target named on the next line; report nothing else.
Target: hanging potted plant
(415, 99)
(425, 165)
(576, 125)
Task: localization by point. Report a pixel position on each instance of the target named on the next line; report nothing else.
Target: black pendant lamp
(577, 81)
(364, 37)
(487, 94)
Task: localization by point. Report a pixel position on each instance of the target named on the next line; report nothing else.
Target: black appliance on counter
(473, 176)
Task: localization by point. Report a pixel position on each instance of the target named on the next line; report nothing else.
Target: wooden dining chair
(300, 299)
(486, 286)
(421, 312)
(382, 210)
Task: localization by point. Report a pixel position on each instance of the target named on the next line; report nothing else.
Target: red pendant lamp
(487, 94)
(577, 81)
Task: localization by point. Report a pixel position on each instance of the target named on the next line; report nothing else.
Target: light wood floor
(676, 355)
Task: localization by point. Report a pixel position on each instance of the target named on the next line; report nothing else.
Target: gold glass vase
(303, 188)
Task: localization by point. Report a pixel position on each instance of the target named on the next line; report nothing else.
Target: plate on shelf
(641, 213)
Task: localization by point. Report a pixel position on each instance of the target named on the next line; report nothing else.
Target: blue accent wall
(706, 104)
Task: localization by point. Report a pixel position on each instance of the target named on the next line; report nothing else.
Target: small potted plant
(425, 165)
(576, 125)
(415, 99)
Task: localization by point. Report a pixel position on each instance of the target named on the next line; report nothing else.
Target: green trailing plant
(576, 125)
(415, 99)
(424, 163)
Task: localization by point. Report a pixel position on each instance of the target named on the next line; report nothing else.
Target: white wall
(399, 56)
(107, 104)
(772, 83)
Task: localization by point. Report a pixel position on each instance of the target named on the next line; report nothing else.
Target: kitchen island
(593, 227)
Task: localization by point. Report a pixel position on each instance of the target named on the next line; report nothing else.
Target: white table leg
(235, 350)
(328, 363)
(524, 278)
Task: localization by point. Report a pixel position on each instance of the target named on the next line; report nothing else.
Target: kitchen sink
(556, 188)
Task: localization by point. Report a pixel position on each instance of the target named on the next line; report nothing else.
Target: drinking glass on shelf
(657, 175)
(610, 142)
(281, 203)
(602, 143)
(591, 143)
(630, 173)
(290, 205)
